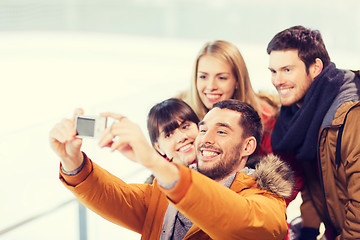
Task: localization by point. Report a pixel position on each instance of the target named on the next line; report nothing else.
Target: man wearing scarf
(319, 103)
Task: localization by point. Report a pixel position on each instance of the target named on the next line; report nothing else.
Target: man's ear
(316, 68)
(249, 146)
(157, 148)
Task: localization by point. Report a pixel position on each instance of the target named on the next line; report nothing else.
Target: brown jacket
(339, 183)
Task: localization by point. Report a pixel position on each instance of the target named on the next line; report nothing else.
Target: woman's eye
(223, 78)
(186, 126)
(167, 135)
(202, 76)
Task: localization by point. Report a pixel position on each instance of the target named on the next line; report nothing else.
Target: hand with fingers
(127, 137)
(123, 136)
(64, 142)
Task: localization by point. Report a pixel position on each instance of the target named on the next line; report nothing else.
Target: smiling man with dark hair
(227, 201)
(319, 125)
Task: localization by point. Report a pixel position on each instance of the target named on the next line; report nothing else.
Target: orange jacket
(244, 212)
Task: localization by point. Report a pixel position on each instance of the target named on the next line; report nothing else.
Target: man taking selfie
(223, 199)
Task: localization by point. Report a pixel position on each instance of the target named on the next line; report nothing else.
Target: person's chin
(208, 105)
(208, 164)
(208, 102)
(189, 162)
(287, 102)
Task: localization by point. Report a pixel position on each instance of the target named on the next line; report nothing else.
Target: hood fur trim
(274, 175)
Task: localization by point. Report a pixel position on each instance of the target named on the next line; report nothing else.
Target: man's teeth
(284, 90)
(209, 153)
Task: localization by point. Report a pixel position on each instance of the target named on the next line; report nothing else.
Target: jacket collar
(349, 92)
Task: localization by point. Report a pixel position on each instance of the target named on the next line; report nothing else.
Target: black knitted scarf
(296, 130)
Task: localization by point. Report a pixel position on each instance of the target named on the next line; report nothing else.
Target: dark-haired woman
(172, 127)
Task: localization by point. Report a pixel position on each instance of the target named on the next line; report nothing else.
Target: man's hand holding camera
(64, 142)
(123, 135)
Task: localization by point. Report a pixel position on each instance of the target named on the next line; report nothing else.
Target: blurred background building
(120, 56)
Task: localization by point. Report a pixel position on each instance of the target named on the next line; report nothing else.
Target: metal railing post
(82, 222)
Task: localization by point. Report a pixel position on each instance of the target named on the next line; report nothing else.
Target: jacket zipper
(328, 219)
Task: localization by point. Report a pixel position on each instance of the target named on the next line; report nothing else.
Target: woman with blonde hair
(220, 73)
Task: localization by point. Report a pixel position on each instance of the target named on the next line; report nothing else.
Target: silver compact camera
(89, 126)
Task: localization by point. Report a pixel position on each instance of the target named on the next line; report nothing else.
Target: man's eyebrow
(288, 66)
(283, 67)
(220, 124)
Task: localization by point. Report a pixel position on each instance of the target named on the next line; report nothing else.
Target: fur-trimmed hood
(274, 175)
